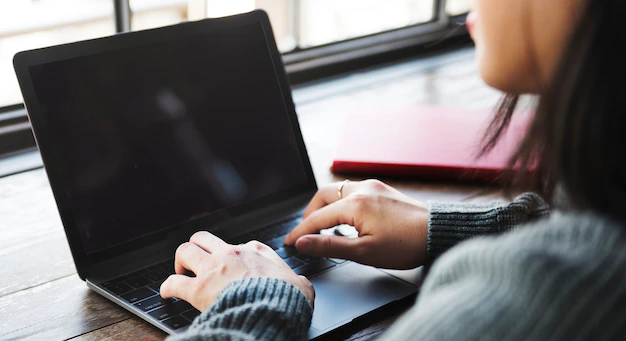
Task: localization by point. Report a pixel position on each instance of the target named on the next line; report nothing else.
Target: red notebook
(427, 142)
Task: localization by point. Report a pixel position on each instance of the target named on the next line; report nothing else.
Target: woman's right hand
(392, 227)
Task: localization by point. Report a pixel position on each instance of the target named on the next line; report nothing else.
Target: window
(27, 24)
(317, 37)
(457, 7)
(298, 24)
(327, 21)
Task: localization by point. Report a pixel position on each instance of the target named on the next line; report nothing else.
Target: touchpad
(349, 291)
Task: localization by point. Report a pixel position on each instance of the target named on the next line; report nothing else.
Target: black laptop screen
(156, 135)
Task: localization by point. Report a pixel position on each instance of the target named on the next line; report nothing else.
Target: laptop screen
(155, 135)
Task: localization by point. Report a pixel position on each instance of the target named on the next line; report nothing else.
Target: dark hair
(577, 139)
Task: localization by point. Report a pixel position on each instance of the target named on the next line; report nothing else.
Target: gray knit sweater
(561, 277)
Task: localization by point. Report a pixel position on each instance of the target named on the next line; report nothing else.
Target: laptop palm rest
(350, 291)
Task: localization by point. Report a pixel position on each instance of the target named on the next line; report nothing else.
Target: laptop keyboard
(274, 236)
(141, 288)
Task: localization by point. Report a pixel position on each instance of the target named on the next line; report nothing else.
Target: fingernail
(304, 243)
(162, 286)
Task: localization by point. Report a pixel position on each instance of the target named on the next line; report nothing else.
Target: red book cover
(427, 142)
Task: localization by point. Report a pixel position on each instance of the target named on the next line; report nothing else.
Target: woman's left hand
(216, 264)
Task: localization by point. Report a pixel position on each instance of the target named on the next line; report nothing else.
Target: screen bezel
(24, 60)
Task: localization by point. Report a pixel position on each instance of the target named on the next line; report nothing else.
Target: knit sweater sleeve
(253, 309)
(561, 278)
(451, 223)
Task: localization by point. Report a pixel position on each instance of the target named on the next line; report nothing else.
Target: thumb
(328, 246)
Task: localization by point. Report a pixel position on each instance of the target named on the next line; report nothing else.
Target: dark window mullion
(122, 15)
(438, 9)
(440, 13)
(296, 21)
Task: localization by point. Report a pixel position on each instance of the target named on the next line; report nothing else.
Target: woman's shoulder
(564, 245)
(567, 230)
(569, 233)
(559, 278)
(560, 232)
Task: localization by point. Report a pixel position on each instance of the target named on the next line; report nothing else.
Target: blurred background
(299, 25)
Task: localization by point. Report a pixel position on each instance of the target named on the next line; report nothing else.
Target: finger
(264, 250)
(319, 200)
(334, 214)
(177, 286)
(328, 195)
(189, 256)
(208, 241)
(329, 246)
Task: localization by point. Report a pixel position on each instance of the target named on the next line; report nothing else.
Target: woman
(560, 277)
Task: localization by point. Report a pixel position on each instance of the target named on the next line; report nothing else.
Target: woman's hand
(392, 227)
(216, 263)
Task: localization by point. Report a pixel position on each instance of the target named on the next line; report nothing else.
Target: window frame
(15, 132)
(302, 65)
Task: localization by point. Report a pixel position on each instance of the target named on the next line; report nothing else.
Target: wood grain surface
(42, 298)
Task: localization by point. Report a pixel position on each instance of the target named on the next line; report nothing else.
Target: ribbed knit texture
(451, 223)
(254, 309)
(563, 278)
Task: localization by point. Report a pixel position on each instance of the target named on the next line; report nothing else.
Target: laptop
(148, 137)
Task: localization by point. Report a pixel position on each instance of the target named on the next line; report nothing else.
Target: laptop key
(315, 267)
(166, 264)
(293, 262)
(176, 322)
(139, 281)
(153, 303)
(114, 281)
(170, 310)
(276, 243)
(156, 286)
(306, 259)
(287, 226)
(191, 314)
(156, 275)
(138, 295)
(287, 251)
(119, 288)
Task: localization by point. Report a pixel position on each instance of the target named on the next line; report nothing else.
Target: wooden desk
(42, 298)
